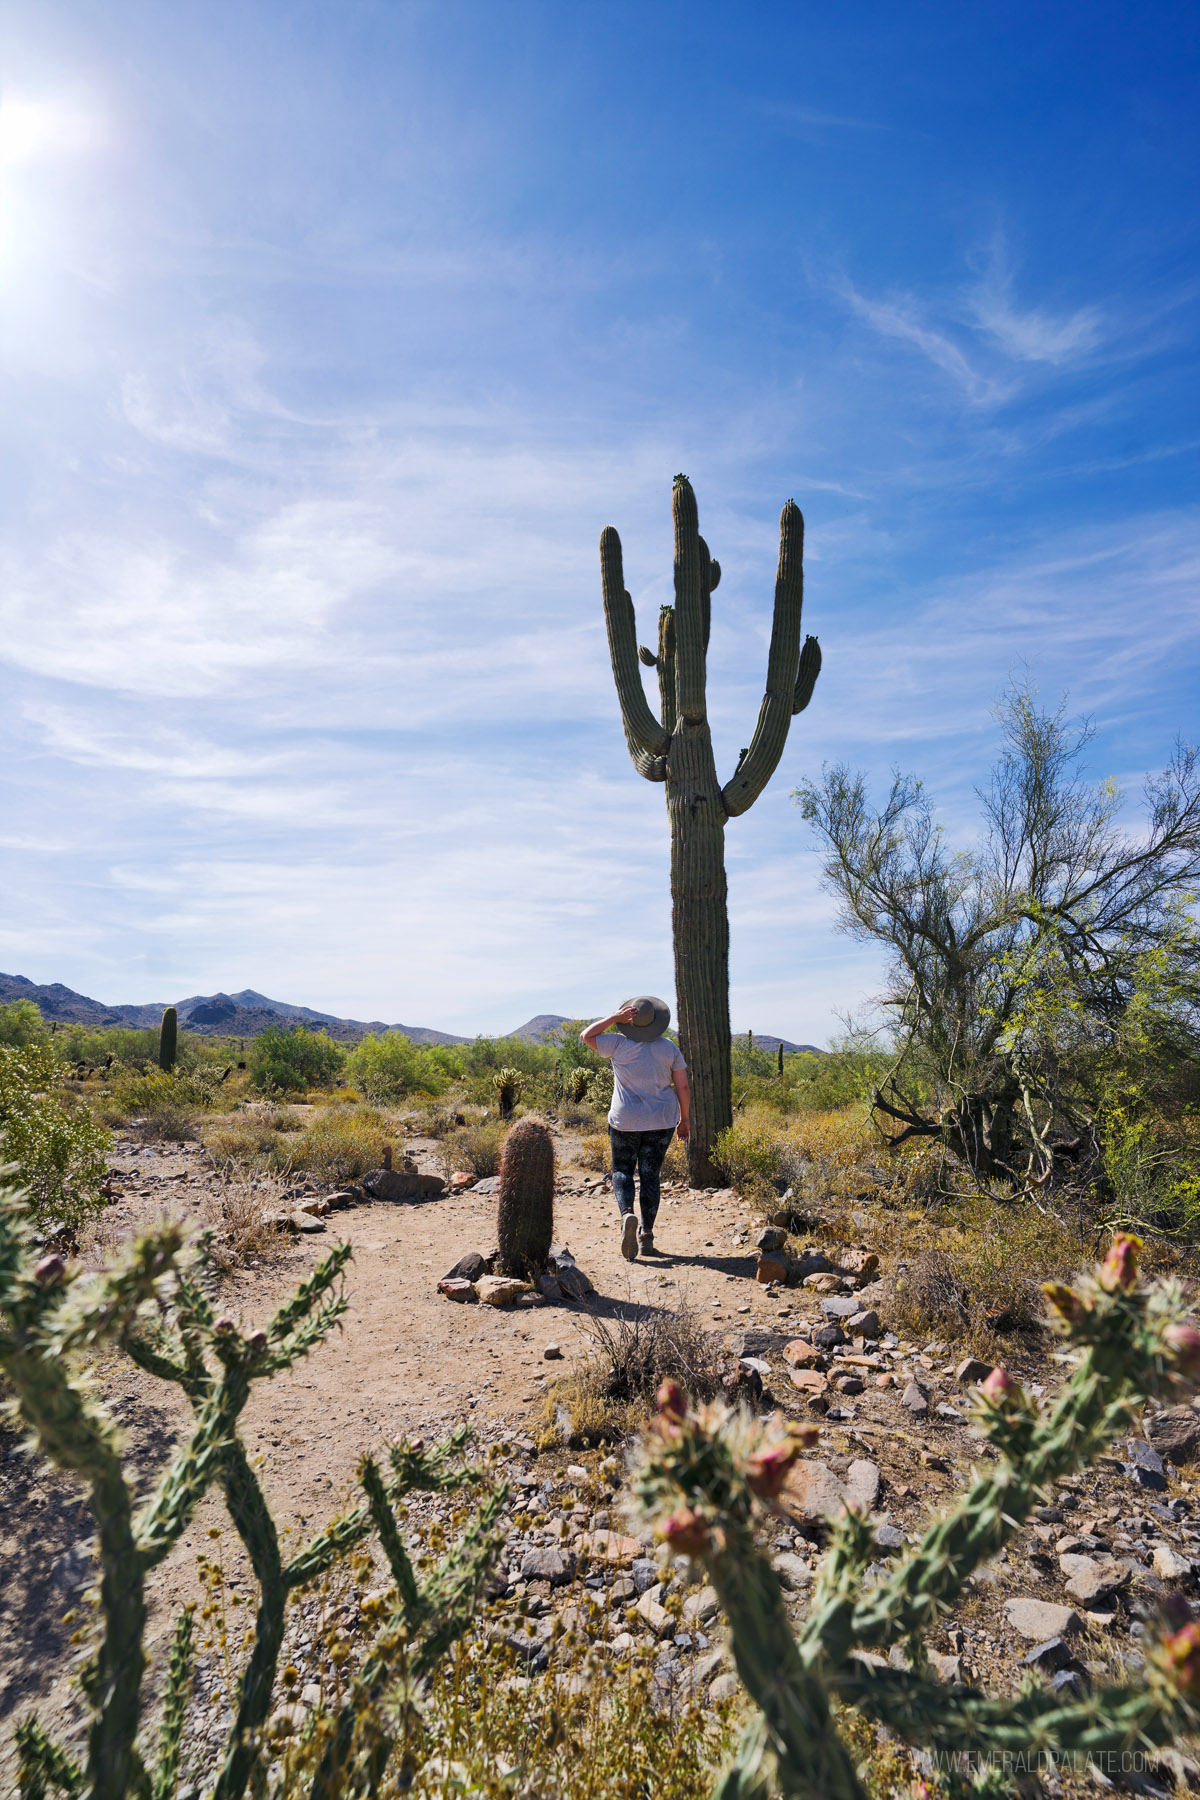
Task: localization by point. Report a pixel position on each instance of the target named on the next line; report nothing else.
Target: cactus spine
(525, 1216)
(677, 749)
(168, 1039)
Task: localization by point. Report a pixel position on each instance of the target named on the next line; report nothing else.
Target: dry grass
(237, 1213)
(474, 1147)
(338, 1145)
(595, 1153)
(252, 1137)
(611, 1391)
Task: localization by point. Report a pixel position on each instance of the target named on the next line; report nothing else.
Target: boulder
(1174, 1434)
(498, 1290)
(971, 1371)
(840, 1306)
(810, 1381)
(468, 1268)
(800, 1355)
(342, 1198)
(771, 1237)
(811, 1263)
(857, 1261)
(654, 1614)
(823, 1283)
(759, 1343)
(315, 1205)
(1037, 1620)
(549, 1287)
(863, 1324)
(770, 1269)
(611, 1547)
(402, 1184)
(1054, 1654)
(828, 1337)
(1169, 1565)
(812, 1494)
(573, 1284)
(461, 1180)
(456, 1288)
(863, 1482)
(1092, 1582)
(793, 1571)
(307, 1223)
(546, 1563)
(914, 1399)
(1145, 1466)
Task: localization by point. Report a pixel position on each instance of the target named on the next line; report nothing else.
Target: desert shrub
(387, 1068)
(971, 1270)
(595, 1153)
(675, 1164)
(21, 1024)
(119, 1047)
(289, 1061)
(59, 1150)
(751, 1148)
(611, 1391)
(251, 1136)
(336, 1146)
(237, 1215)
(474, 1147)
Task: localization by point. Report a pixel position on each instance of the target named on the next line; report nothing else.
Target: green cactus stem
(676, 749)
(525, 1211)
(702, 1477)
(168, 1040)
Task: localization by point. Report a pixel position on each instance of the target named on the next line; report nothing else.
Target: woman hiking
(650, 1105)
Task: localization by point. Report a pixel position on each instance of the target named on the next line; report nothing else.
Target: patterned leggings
(643, 1151)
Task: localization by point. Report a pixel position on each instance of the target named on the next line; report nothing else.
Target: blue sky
(331, 337)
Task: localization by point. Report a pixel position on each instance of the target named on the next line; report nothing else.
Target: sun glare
(32, 129)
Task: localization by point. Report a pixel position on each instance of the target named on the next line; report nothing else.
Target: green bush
(339, 1145)
(59, 1150)
(387, 1068)
(292, 1060)
(476, 1148)
(20, 1024)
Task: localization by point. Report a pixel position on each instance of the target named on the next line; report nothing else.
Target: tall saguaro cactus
(677, 749)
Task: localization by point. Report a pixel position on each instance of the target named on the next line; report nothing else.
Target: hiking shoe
(646, 1243)
(629, 1237)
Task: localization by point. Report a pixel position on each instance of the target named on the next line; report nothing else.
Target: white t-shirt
(644, 1097)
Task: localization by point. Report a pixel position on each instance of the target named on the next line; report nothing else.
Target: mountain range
(247, 1012)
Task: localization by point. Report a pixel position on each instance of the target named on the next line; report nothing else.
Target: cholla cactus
(701, 1477)
(576, 1084)
(155, 1303)
(509, 1085)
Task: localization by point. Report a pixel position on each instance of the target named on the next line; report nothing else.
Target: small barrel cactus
(508, 1084)
(526, 1212)
(168, 1039)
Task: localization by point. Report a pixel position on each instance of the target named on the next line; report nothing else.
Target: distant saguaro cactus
(677, 750)
(168, 1039)
(525, 1218)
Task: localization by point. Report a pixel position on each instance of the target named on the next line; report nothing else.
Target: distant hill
(539, 1028)
(248, 1012)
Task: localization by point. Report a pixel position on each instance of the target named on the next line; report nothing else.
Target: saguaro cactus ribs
(677, 749)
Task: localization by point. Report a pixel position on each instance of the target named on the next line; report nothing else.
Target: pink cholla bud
(1183, 1341)
(767, 1470)
(50, 1269)
(1065, 1301)
(1119, 1269)
(686, 1533)
(257, 1341)
(223, 1325)
(1182, 1655)
(672, 1403)
(998, 1386)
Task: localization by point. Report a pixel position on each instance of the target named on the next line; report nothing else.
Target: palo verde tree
(676, 749)
(1015, 967)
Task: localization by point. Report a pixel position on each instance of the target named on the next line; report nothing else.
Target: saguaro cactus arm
(806, 680)
(647, 740)
(783, 662)
(691, 605)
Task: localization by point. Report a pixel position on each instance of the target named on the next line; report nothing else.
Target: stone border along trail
(1090, 1567)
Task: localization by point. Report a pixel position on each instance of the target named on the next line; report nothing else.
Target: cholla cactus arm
(389, 1536)
(41, 1764)
(451, 1597)
(308, 1295)
(170, 1737)
(783, 662)
(432, 1471)
(183, 1486)
(939, 1717)
(323, 1552)
(1122, 1334)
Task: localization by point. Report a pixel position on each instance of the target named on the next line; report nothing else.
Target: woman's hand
(683, 1130)
(626, 1016)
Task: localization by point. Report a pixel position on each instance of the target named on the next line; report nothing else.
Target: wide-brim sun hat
(653, 1017)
